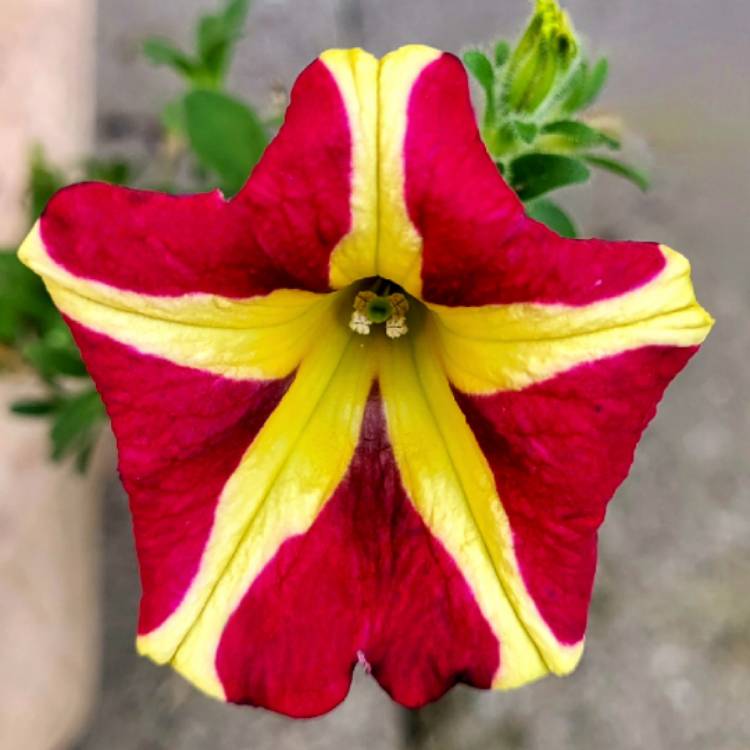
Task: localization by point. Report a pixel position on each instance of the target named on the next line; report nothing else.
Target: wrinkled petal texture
(305, 499)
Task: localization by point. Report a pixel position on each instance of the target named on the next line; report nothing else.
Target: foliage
(535, 97)
(225, 134)
(31, 325)
(215, 37)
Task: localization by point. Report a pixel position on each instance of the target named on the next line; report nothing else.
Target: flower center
(384, 302)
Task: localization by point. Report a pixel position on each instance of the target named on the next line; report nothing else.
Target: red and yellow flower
(316, 481)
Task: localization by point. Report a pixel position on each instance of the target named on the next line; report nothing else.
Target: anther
(372, 309)
(360, 323)
(395, 328)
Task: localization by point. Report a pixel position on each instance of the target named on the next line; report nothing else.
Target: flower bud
(542, 57)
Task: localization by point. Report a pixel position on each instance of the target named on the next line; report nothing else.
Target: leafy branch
(224, 134)
(536, 94)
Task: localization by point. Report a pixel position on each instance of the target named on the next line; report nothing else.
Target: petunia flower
(367, 410)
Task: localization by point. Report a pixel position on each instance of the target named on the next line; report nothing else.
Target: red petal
(181, 434)
(368, 582)
(279, 232)
(479, 247)
(558, 451)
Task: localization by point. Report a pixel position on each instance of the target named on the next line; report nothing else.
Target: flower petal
(181, 434)
(399, 244)
(281, 483)
(468, 241)
(301, 202)
(313, 195)
(356, 75)
(452, 487)
(511, 346)
(154, 244)
(264, 337)
(557, 396)
(558, 451)
(368, 583)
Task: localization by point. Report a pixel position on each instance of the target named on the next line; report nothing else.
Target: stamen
(362, 300)
(400, 305)
(371, 309)
(395, 328)
(360, 324)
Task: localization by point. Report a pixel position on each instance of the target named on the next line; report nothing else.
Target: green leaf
(113, 171)
(533, 175)
(52, 361)
(580, 135)
(502, 53)
(44, 181)
(25, 306)
(235, 15)
(213, 48)
(553, 216)
(216, 36)
(481, 68)
(76, 425)
(7, 255)
(35, 407)
(163, 52)
(225, 135)
(575, 89)
(615, 166)
(19, 286)
(10, 323)
(595, 83)
(527, 131)
(83, 454)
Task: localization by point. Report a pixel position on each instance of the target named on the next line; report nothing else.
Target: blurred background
(667, 663)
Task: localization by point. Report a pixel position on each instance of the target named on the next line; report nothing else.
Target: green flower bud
(545, 52)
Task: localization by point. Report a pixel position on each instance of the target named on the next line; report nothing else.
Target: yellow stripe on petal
(451, 485)
(260, 338)
(254, 352)
(289, 472)
(399, 253)
(356, 74)
(510, 347)
(383, 240)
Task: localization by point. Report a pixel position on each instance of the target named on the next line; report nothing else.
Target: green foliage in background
(533, 125)
(215, 37)
(535, 96)
(31, 326)
(224, 134)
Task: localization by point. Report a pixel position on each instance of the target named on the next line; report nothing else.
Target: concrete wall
(46, 93)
